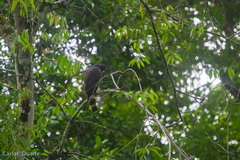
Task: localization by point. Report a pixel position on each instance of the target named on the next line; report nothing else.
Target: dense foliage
(199, 41)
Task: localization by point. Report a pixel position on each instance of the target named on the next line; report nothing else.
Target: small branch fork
(163, 128)
(144, 3)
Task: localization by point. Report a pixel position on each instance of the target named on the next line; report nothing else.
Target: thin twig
(114, 81)
(144, 3)
(129, 69)
(208, 134)
(137, 142)
(174, 123)
(125, 146)
(112, 131)
(79, 154)
(8, 70)
(92, 12)
(52, 98)
(165, 131)
(97, 125)
(237, 33)
(68, 127)
(202, 99)
(43, 89)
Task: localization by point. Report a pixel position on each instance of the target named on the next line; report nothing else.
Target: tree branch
(43, 89)
(52, 98)
(163, 128)
(161, 51)
(92, 12)
(68, 127)
(79, 154)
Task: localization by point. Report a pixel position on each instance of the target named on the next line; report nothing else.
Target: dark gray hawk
(92, 79)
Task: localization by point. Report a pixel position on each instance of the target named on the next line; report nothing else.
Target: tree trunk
(24, 72)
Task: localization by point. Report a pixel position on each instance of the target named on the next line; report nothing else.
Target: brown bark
(23, 66)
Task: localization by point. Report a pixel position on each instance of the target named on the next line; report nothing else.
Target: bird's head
(101, 66)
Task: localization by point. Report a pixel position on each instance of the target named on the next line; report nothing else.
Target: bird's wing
(93, 73)
(91, 78)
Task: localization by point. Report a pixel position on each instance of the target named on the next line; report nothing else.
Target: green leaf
(51, 21)
(156, 148)
(142, 11)
(153, 109)
(32, 4)
(131, 63)
(116, 34)
(138, 64)
(66, 35)
(177, 56)
(165, 17)
(141, 157)
(113, 151)
(14, 4)
(43, 67)
(32, 133)
(46, 151)
(138, 47)
(146, 60)
(118, 94)
(170, 59)
(63, 61)
(75, 68)
(98, 141)
(231, 73)
(56, 21)
(155, 151)
(174, 25)
(210, 73)
(150, 96)
(200, 31)
(172, 34)
(134, 45)
(21, 143)
(164, 38)
(141, 62)
(56, 110)
(24, 5)
(69, 67)
(39, 135)
(143, 98)
(152, 92)
(21, 13)
(140, 150)
(216, 73)
(193, 31)
(39, 122)
(18, 38)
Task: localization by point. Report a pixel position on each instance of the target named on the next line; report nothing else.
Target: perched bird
(92, 79)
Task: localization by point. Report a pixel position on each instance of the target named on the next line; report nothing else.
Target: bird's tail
(93, 104)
